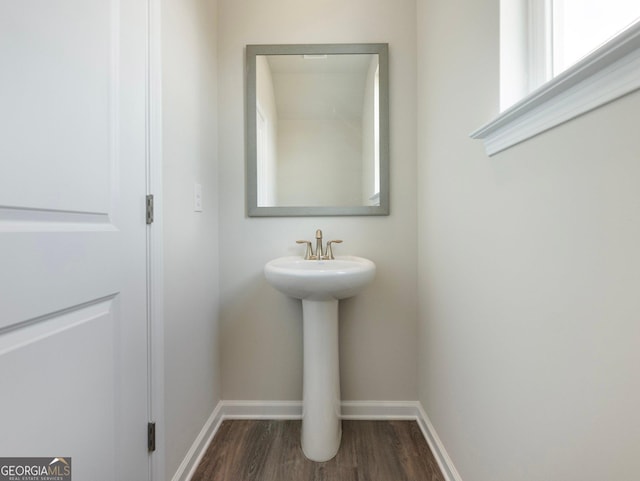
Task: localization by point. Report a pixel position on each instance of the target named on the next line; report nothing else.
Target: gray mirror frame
(253, 210)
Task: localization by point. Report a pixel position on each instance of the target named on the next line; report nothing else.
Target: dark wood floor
(270, 451)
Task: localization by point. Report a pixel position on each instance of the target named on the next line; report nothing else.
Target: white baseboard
(293, 409)
(439, 452)
(383, 410)
(363, 410)
(190, 462)
(261, 409)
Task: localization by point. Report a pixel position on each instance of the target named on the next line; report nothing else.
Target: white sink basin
(316, 280)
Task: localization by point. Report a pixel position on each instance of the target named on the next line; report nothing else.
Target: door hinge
(150, 209)
(151, 437)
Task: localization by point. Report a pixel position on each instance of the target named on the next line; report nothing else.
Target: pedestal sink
(320, 284)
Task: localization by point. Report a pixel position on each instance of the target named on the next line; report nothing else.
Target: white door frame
(155, 283)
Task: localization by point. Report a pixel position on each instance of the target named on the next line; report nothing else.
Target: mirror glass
(317, 130)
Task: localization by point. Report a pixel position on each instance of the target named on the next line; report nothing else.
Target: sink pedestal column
(321, 426)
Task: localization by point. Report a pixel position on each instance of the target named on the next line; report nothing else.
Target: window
(559, 59)
(581, 26)
(551, 36)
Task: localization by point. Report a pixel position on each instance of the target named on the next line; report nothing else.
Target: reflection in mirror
(317, 141)
(316, 130)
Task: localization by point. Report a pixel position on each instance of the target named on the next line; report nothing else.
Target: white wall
(529, 271)
(192, 380)
(261, 337)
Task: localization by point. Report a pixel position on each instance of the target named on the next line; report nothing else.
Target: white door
(73, 297)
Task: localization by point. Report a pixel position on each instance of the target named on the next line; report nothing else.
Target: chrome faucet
(319, 254)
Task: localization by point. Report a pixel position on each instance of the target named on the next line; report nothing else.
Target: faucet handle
(329, 254)
(309, 253)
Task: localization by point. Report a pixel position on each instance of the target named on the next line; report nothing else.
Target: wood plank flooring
(256, 450)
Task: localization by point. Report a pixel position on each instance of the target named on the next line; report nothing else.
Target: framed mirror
(317, 137)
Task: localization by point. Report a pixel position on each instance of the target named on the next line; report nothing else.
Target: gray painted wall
(192, 379)
(529, 271)
(261, 330)
(524, 265)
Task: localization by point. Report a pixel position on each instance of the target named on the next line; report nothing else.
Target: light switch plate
(197, 198)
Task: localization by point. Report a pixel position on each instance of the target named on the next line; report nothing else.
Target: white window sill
(605, 75)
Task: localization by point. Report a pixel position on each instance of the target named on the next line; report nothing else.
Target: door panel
(46, 383)
(57, 78)
(73, 293)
